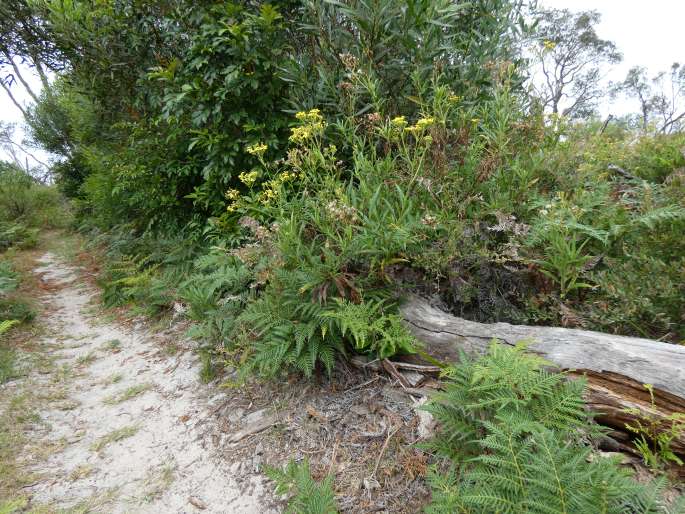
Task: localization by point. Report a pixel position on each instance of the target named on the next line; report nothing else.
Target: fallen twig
(420, 368)
(335, 449)
(380, 455)
(254, 428)
(359, 386)
(390, 368)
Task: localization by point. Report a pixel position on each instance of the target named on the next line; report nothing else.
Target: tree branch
(14, 100)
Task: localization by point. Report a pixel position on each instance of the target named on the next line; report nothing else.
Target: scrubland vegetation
(287, 173)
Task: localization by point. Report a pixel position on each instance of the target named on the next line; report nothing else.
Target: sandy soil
(126, 418)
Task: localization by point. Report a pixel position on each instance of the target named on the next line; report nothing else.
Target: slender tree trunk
(667, 126)
(42, 75)
(19, 76)
(14, 100)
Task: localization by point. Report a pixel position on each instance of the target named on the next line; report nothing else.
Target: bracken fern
(517, 436)
(307, 495)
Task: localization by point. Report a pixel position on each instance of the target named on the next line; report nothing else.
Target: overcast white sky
(649, 33)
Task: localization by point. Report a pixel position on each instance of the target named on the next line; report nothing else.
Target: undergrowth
(517, 438)
(305, 495)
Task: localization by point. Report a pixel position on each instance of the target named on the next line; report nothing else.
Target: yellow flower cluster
(248, 178)
(549, 45)
(232, 194)
(421, 125)
(287, 176)
(257, 149)
(313, 125)
(300, 134)
(267, 195)
(311, 116)
(399, 122)
(424, 123)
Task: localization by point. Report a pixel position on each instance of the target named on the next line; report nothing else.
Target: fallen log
(616, 367)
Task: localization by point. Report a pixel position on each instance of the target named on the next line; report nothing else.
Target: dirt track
(124, 417)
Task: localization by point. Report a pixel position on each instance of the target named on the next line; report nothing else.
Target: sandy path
(116, 383)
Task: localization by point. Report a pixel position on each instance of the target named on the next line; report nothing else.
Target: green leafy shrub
(13, 309)
(26, 204)
(17, 234)
(306, 496)
(9, 279)
(371, 330)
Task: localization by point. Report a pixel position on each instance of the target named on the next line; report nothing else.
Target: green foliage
(564, 261)
(9, 279)
(208, 370)
(288, 331)
(131, 282)
(143, 270)
(364, 49)
(307, 496)
(6, 325)
(12, 312)
(7, 355)
(505, 384)
(25, 207)
(13, 309)
(371, 330)
(218, 278)
(654, 441)
(516, 437)
(17, 234)
(527, 469)
(225, 91)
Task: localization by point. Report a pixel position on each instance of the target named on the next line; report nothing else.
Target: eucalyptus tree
(661, 98)
(573, 60)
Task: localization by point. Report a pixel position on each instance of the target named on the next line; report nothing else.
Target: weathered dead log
(616, 367)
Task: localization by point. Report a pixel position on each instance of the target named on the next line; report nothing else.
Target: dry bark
(616, 367)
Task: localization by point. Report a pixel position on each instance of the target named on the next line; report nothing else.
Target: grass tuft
(114, 436)
(86, 359)
(127, 394)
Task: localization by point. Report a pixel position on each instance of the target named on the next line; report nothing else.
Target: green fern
(6, 325)
(524, 468)
(8, 279)
(307, 495)
(288, 337)
(516, 437)
(371, 329)
(658, 216)
(289, 331)
(505, 382)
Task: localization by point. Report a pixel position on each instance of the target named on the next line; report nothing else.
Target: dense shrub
(25, 203)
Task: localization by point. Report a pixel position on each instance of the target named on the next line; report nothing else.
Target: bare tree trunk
(19, 76)
(616, 367)
(667, 126)
(14, 100)
(41, 74)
